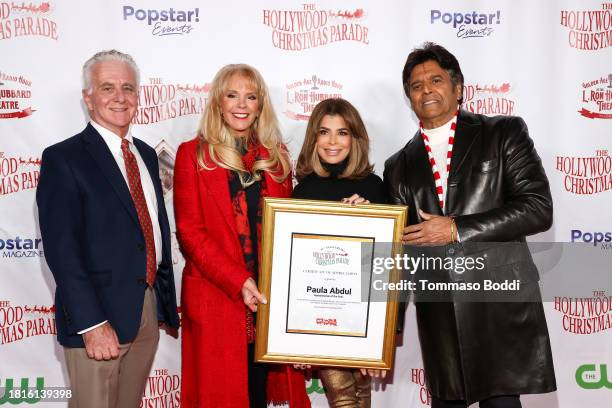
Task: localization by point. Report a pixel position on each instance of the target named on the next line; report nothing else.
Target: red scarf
(285, 384)
(432, 161)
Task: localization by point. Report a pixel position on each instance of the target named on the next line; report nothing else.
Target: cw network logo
(315, 387)
(19, 247)
(590, 378)
(22, 395)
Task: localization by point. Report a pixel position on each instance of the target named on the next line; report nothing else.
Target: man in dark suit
(470, 181)
(107, 242)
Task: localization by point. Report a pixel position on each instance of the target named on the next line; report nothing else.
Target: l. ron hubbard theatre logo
(15, 95)
(597, 98)
(304, 94)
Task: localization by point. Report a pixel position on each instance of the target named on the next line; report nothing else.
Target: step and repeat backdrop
(547, 61)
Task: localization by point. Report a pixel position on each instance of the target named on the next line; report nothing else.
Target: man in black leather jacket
(471, 181)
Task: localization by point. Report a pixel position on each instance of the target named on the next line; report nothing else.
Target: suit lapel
(421, 176)
(108, 166)
(218, 187)
(466, 134)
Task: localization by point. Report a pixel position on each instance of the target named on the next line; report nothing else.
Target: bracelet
(453, 227)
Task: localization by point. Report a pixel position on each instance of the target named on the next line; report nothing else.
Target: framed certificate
(317, 272)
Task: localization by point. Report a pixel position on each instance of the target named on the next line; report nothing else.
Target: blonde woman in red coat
(220, 179)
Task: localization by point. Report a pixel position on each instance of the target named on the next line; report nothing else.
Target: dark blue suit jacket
(93, 242)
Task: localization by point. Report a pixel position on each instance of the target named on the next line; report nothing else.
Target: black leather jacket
(498, 192)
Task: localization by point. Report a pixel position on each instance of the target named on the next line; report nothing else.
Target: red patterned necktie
(133, 175)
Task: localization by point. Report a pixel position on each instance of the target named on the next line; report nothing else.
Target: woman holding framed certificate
(333, 165)
(221, 178)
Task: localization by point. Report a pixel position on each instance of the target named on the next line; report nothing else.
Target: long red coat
(214, 348)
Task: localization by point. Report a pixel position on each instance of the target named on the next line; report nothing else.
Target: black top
(332, 188)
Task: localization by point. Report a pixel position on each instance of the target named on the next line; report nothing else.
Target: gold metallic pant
(346, 387)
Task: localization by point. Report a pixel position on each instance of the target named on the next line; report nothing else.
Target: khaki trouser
(117, 383)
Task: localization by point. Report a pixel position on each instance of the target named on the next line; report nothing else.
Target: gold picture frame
(287, 329)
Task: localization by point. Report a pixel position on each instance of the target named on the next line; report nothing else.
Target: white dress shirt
(438, 141)
(113, 141)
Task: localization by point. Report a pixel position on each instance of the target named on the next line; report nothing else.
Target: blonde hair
(224, 148)
(358, 165)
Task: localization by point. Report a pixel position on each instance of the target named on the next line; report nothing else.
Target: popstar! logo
(21, 248)
(24, 394)
(18, 173)
(330, 255)
(488, 99)
(597, 96)
(586, 175)
(303, 95)
(297, 30)
(418, 378)
(162, 389)
(585, 315)
(23, 20)
(590, 377)
(20, 322)
(603, 238)
(165, 22)
(589, 29)
(468, 25)
(158, 102)
(14, 93)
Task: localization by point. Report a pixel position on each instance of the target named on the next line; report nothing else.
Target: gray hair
(108, 55)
